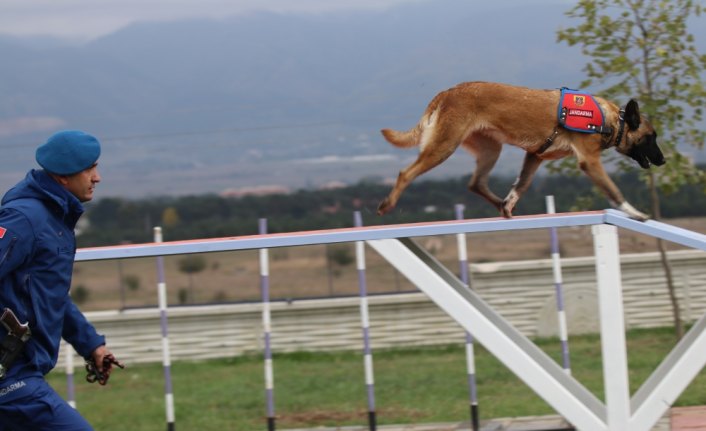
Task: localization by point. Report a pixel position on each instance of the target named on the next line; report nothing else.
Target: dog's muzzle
(647, 153)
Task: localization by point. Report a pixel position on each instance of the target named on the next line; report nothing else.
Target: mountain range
(269, 99)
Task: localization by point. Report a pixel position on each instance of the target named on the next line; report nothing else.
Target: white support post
(164, 325)
(610, 299)
(70, 388)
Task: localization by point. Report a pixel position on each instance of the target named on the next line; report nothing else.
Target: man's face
(82, 183)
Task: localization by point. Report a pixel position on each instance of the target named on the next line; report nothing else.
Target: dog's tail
(407, 139)
(413, 136)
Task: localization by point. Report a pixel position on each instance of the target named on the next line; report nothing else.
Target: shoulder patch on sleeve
(2, 232)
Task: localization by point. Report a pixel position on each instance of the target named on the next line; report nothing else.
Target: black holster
(11, 348)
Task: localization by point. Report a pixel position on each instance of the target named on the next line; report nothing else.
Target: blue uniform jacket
(37, 249)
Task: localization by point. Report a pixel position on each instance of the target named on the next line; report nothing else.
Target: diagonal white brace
(540, 372)
(671, 378)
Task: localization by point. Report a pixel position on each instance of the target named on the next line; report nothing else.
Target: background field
(327, 389)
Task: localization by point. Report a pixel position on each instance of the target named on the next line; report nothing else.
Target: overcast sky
(85, 19)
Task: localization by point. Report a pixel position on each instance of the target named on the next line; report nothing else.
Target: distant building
(255, 191)
(333, 185)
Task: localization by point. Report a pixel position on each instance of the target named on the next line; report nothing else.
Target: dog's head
(640, 139)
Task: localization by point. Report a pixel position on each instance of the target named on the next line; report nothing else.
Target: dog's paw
(506, 211)
(632, 212)
(384, 207)
(509, 204)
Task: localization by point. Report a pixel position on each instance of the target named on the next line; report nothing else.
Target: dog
(482, 116)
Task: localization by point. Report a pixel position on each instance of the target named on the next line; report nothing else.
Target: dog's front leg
(593, 168)
(529, 167)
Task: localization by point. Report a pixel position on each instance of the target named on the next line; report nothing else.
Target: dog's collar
(621, 127)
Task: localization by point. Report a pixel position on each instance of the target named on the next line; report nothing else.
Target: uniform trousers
(35, 406)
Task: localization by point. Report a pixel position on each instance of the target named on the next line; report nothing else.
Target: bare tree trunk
(191, 289)
(656, 213)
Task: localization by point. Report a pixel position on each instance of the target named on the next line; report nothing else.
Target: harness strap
(603, 130)
(621, 126)
(550, 140)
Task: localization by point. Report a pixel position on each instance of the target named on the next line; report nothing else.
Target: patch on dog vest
(579, 111)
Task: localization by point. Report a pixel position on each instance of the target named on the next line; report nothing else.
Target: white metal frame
(570, 398)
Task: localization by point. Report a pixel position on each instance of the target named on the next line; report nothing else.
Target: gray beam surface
(341, 235)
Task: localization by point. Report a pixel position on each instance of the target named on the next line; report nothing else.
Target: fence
(496, 331)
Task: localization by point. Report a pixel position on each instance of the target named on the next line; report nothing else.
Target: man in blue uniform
(37, 248)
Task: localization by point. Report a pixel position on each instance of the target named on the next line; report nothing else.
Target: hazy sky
(85, 19)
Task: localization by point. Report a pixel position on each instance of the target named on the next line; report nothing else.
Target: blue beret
(68, 152)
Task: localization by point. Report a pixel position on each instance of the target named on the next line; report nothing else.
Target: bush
(80, 294)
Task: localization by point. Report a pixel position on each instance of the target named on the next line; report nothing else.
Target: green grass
(418, 385)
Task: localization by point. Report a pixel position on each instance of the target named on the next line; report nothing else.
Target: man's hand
(100, 365)
(98, 356)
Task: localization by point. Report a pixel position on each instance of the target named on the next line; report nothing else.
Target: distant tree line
(117, 220)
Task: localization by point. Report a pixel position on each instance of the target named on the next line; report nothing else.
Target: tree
(190, 265)
(132, 282)
(341, 255)
(170, 217)
(642, 48)
(80, 294)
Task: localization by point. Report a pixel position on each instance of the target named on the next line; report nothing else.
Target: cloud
(347, 159)
(21, 125)
(86, 19)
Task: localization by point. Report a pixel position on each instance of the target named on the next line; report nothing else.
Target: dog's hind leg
(431, 156)
(486, 151)
(529, 168)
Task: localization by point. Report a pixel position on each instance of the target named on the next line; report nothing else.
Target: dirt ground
(309, 271)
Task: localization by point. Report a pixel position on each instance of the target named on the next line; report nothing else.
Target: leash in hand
(95, 375)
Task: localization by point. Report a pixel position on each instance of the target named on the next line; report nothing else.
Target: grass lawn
(417, 385)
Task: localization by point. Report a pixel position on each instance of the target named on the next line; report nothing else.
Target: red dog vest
(579, 111)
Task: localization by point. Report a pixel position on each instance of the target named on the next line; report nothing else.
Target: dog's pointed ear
(632, 115)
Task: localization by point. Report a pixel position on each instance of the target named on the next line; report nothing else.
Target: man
(37, 248)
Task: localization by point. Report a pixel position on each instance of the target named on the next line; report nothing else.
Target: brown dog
(482, 116)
